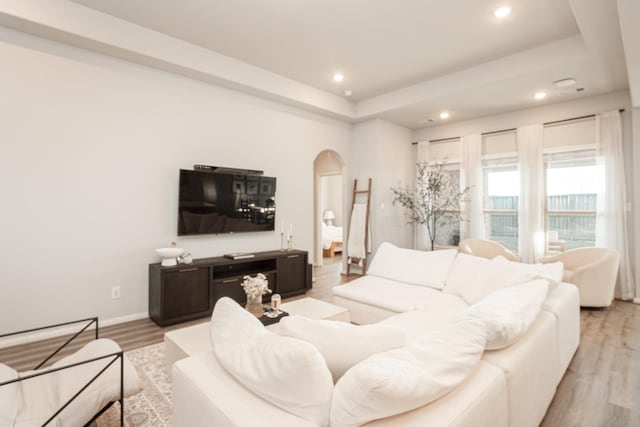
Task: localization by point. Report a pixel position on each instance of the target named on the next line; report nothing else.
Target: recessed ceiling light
(348, 93)
(501, 12)
(338, 77)
(444, 115)
(540, 95)
(570, 81)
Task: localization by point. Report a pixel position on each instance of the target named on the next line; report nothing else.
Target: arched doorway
(329, 198)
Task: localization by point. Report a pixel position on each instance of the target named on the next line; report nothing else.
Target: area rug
(152, 406)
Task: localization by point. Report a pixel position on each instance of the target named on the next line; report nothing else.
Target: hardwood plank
(602, 385)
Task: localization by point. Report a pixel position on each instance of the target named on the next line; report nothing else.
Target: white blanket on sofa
(356, 244)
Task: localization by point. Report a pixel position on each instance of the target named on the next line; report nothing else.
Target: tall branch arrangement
(435, 200)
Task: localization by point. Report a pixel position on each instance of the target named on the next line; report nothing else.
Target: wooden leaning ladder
(356, 192)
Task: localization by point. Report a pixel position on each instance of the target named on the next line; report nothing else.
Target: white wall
(382, 151)
(636, 197)
(91, 148)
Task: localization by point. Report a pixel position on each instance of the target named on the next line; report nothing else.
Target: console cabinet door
(292, 274)
(186, 293)
(229, 287)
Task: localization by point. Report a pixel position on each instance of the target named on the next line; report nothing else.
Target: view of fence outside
(572, 216)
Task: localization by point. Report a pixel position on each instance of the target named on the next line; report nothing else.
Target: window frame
(511, 161)
(575, 213)
(452, 165)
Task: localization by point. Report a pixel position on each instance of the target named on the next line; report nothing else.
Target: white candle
(291, 230)
(282, 228)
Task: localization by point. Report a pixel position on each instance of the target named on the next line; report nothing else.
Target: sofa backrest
(485, 248)
(473, 278)
(422, 268)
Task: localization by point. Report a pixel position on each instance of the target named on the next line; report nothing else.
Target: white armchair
(72, 392)
(593, 270)
(485, 249)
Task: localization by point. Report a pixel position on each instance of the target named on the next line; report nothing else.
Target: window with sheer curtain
(573, 182)
(433, 153)
(449, 235)
(501, 191)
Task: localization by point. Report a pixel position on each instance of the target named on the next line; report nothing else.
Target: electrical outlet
(115, 292)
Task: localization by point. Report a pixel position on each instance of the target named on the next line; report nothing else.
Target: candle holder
(282, 247)
(289, 242)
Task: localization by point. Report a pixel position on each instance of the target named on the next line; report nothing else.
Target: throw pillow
(424, 268)
(285, 371)
(403, 379)
(464, 270)
(342, 344)
(500, 273)
(508, 313)
(8, 396)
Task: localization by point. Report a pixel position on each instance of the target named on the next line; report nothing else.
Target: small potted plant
(255, 287)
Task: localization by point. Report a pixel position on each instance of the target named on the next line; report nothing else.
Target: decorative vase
(254, 306)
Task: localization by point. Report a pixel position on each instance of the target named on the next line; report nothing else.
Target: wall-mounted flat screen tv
(214, 203)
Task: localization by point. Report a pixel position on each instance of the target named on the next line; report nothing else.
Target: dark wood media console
(189, 291)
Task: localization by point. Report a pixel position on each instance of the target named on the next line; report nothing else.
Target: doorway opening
(329, 218)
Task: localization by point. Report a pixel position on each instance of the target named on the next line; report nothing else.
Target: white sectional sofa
(417, 292)
(532, 368)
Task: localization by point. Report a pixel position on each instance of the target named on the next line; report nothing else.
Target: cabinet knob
(293, 256)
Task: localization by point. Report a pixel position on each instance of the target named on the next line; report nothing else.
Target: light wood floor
(602, 385)
(600, 388)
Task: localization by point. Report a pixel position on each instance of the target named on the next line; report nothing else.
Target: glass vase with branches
(435, 199)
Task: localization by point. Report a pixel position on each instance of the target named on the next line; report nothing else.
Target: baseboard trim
(636, 300)
(39, 336)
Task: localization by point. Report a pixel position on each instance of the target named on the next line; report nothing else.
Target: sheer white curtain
(611, 226)
(531, 239)
(422, 155)
(420, 238)
(472, 214)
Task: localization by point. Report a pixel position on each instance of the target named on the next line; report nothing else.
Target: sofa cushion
(270, 365)
(105, 388)
(553, 272)
(500, 272)
(38, 399)
(8, 396)
(43, 395)
(529, 370)
(417, 322)
(463, 271)
(564, 303)
(411, 266)
(343, 344)
(205, 394)
(399, 297)
(403, 379)
(481, 400)
(508, 313)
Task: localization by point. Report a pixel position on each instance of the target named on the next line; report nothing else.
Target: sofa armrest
(597, 282)
(552, 258)
(600, 270)
(205, 394)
